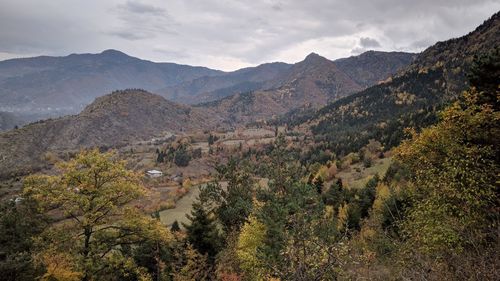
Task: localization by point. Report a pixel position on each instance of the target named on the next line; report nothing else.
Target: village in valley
(175, 166)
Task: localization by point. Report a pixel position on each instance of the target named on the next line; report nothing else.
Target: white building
(154, 173)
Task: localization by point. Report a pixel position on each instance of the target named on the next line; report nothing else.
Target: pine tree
(232, 204)
(175, 227)
(202, 231)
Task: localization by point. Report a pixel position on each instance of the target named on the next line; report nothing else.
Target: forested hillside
(409, 99)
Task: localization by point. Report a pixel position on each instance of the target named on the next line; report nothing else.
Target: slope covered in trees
(409, 99)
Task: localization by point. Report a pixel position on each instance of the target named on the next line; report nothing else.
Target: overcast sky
(232, 34)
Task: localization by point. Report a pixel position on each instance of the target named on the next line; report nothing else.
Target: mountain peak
(314, 57)
(113, 53)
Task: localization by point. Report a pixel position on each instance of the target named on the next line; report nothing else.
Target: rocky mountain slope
(116, 119)
(409, 99)
(71, 82)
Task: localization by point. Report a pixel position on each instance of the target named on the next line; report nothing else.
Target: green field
(182, 207)
(354, 179)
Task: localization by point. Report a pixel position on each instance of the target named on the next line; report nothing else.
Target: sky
(229, 35)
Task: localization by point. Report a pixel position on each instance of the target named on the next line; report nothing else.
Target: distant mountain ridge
(372, 67)
(311, 83)
(48, 86)
(365, 69)
(209, 88)
(73, 81)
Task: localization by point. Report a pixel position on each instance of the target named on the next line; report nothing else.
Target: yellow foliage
(405, 98)
(59, 266)
(322, 173)
(329, 212)
(94, 190)
(332, 171)
(342, 216)
(382, 194)
(367, 233)
(251, 237)
(187, 184)
(195, 267)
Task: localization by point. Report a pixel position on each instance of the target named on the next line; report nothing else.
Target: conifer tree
(202, 231)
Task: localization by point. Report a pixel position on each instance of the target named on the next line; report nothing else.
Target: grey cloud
(367, 42)
(141, 8)
(131, 35)
(420, 44)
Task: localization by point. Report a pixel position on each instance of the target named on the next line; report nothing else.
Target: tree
(182, 157)
(298, 243)
(454, 183)
(212, 139)
(250, 239)
(175, 227)
(232, 204)
(19, 223)
(161, 156)
(484, 74)
(154, 256)
(202, 232)
(193, 266)
(334, 196)
(318, 184)
(92, 191)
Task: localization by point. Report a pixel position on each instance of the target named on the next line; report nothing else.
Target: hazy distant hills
(313, 83)
(409, 99)
(365, 70)
(44, 85)
(70, 82)
(127, 116)
(115, 119)
(211, 88)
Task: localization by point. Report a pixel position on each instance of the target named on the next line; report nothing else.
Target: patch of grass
(182, 207)
(357, 176)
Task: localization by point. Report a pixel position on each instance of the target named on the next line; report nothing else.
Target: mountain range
(67, 84)
(311, 83)
(55, 86)
(344, 103)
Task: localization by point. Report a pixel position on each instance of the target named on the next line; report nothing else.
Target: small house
(154, 173)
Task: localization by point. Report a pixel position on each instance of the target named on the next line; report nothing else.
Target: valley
(377, 166)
